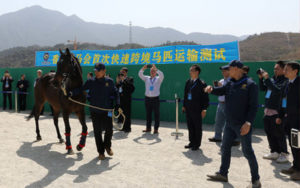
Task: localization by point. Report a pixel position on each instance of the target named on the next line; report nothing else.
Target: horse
(48, 88)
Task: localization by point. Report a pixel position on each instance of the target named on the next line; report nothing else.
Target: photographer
(152, 86)
(6, 89)
(125, 87)
(272, 122)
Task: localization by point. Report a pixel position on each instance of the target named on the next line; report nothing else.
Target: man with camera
(152, 92)
(125, 87)
(291, 103)
(195, 103)
(241, 95)
(7, 89)
(272, 122)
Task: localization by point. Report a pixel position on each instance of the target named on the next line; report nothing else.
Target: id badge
(120, 90)
(268, 94)
(109, 114)
(189, 96)
(151, 88)
(283, 103)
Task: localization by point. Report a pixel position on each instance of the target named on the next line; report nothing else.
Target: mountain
(271, 46)
(39, 26)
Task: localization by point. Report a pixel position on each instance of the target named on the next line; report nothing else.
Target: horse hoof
(61, 141)
(38, 138)
(78, 148)
(70, 152)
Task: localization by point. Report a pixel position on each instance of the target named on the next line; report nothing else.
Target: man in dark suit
(7, 89)
(22, 85)
(292, 113)
(195, 105)
(126, 88)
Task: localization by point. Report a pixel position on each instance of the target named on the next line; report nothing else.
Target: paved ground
(140, 160)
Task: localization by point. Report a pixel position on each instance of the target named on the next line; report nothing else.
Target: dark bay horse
(47, 88)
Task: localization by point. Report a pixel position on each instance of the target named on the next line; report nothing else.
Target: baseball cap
(225, 67)
(99, 67)
(236, 63)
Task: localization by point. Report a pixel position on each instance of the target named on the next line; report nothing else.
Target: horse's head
(67, 66)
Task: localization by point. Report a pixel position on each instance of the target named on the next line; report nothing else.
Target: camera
(216, 83)
(260, 71)
(149, 66)
(120, 74)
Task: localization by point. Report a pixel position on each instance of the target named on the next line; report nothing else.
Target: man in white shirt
(152, 92)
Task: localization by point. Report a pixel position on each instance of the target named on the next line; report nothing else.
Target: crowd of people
(237, 107)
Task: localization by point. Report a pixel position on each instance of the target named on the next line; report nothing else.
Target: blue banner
(159, 55)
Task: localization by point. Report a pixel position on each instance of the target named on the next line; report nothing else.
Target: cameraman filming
(272, 122)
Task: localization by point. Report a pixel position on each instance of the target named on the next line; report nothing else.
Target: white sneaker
(282, 158)
(271, 156)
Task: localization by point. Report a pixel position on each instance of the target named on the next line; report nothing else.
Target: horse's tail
(31, 114)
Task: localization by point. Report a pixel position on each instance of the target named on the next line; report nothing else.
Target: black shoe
(188, 146)
(236, 143)
(195, 148)
(218, 177)
(213, 139)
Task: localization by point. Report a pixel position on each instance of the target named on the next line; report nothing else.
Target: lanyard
(193, 85)
(152, 80)
(241, 81)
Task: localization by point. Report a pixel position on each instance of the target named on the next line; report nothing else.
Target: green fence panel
(175, 78)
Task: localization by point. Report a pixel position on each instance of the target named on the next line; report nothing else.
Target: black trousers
(194, 124)
(102, 122)
(275, 134)
(22, 101)
(126, 107)
(5, 95)
(293, 122)
(152, 104)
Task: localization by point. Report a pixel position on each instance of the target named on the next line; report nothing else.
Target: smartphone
(149, 66)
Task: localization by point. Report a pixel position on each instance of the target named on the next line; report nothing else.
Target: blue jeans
(220, 121)
(230, 133)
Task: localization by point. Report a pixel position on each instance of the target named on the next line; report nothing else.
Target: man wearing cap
(195, 104)
(241, 95)
(7, 89)
(126, 88)
(103, 94)
(152, 92)
(220, 113)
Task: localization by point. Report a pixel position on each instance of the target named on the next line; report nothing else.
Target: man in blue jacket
(241, 95)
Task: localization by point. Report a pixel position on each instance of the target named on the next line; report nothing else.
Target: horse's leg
(37, 109)
(68, 133)
(81, 117)
(55, 119)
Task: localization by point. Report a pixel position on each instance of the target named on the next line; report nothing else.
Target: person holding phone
(152, 92)
(125, 87)
(7, 89)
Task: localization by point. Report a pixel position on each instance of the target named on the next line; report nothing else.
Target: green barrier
(174, 82)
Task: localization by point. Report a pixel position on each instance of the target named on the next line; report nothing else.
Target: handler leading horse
(47, 88)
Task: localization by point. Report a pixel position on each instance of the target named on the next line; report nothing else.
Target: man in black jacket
(103, 94)
(126, 88)
(7, 89)
(22, 85)
(195, 104)
(241, 95)
(292, 104)
(272, 122)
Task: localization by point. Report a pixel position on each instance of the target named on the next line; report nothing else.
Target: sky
(235, 17)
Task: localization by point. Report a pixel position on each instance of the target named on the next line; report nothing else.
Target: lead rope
(120, 111)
